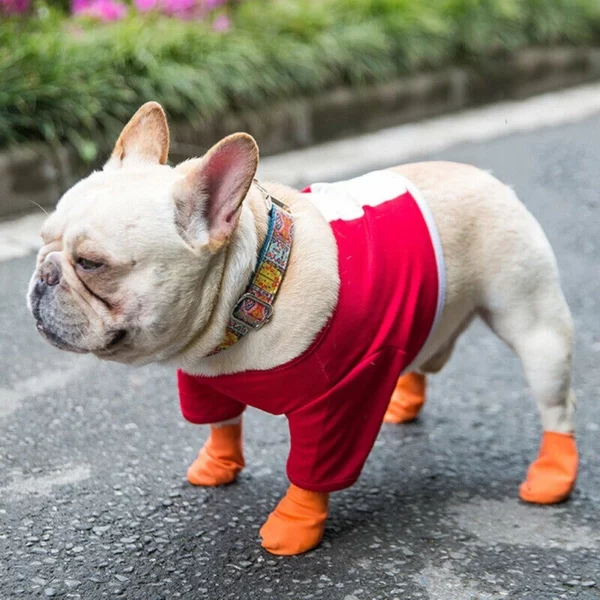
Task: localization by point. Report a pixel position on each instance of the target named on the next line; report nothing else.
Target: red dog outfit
(335, 394)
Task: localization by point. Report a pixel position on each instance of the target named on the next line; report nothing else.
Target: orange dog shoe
(551, 477)
(297, 524)
(220, 459)
(407, 400)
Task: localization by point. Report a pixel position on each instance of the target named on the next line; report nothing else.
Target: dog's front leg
(221, 458)
(297, 524)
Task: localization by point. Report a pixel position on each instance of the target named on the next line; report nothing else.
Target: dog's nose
(51, 271)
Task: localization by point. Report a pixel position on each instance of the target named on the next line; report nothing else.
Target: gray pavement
(94, 502)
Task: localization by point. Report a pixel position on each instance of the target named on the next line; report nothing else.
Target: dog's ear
(144, 140)
(209, 198)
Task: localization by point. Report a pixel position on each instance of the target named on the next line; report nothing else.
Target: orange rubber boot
(407, 400)
(297, 524)
(551, 477)
(220, 459)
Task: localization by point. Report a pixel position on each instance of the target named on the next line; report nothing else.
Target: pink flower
(78, 6)
(14, 7)
(221, 23)
(180, 8)
(146, 5)
(105, 10)
(211, 4)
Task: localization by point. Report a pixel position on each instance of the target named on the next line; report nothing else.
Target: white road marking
(442, 584)
(42, 485)
(347, 158)
(38, 384)
(511, 522)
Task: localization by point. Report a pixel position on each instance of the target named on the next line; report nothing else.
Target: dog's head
(131, 249)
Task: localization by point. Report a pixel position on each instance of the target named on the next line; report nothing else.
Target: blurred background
(93, 498)
(291, 72)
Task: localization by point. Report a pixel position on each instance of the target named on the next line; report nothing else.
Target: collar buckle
(240, 311)
(270, 198)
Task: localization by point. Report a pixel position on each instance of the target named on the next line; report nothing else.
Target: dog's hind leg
(407, 400)
(534, 320)
(409, 395)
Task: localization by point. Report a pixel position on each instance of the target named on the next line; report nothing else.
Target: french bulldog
(329, 305)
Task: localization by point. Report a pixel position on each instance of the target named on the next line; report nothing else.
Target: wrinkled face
(128, 250)
(112, 264)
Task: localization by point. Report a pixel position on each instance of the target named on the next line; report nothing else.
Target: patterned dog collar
(254, 309)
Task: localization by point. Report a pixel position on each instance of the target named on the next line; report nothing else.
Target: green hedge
(64, 79)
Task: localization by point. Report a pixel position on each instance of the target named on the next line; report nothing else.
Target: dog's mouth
(56, 340)
(117, 337)
(113, 345)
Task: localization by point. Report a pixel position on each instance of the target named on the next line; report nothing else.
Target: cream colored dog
(143, 263)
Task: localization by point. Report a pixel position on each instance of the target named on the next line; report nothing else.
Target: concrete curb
(39, 174)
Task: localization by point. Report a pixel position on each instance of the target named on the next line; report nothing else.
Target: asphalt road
(94, 501)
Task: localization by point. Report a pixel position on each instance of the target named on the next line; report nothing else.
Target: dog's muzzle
(50, 274)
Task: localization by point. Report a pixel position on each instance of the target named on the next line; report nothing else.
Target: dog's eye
(88, 265)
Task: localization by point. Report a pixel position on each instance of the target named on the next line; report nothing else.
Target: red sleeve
(202, 404)
(332, 436)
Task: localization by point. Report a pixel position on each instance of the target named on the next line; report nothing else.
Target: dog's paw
(551, 477)
(297, 524)
(220, 459)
